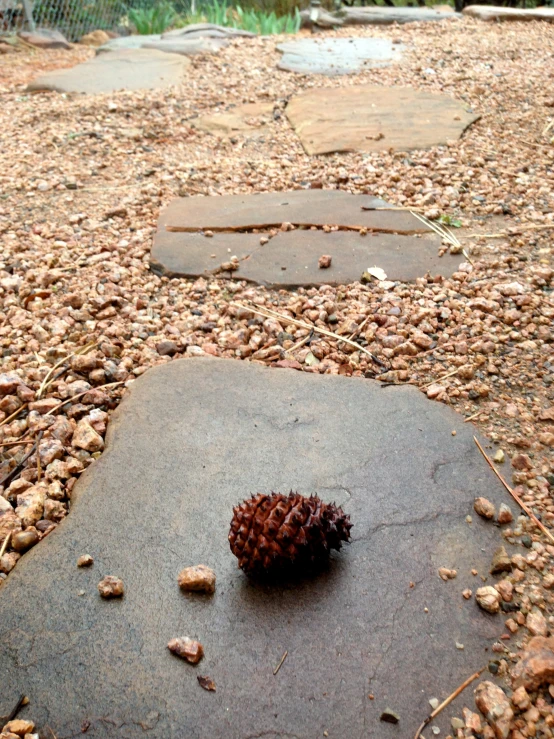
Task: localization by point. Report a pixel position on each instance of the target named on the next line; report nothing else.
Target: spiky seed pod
(271, 532)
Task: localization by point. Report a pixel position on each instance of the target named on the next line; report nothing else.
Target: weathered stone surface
(364, 118)
(45, 38)
(250, 119)
(185, 45)
(372, 15)
(126, 69)
(332, 56)
(299, 207)
(378, 16)
(189, 441)
(298, 252)
(95, 38)
(493, 13)
(208, 30)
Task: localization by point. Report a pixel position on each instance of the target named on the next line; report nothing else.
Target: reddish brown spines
(271, 532)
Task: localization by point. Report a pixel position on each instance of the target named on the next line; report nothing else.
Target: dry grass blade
(444, 377)
(5, 544)
(10, 476)
(448, 700)
(518, 500)
(439, 229)
(49, 377)
(80, 395)
(14, 415)
(470, 418)
(268, 313)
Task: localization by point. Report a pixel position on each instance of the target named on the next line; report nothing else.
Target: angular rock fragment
(189, 649)
(484, 508)
(501, 562)
(198, 578)
(110, 587)
(495, 706)
(488, 598)
(536, 665)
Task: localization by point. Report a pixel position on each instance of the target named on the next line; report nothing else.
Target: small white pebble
(435, 730)
(459, 646)
(469, 519)
(434, 703)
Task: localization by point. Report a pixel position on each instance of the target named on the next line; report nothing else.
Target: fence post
(29, 15)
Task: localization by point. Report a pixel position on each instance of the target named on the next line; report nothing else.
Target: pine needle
(518, 500)
(268, 313)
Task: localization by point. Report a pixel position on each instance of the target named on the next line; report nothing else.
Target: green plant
(259, 21)
(448, 220)
(155, 19)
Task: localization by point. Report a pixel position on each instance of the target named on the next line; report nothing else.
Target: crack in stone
(400, 524)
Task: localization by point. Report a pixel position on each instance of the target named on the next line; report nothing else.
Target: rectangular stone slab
(299, 207)
(403, 257)
(191, 440)
(367, 118)
(378, 16)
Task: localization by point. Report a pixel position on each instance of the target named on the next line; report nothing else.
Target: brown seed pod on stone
(272, 532)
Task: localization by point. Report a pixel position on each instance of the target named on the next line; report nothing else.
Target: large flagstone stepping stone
(299, 207)
(493, 13)
(250, 120)
(332, 56)
(397, 242)
(126, 69)
(367, 118)
(192, 439)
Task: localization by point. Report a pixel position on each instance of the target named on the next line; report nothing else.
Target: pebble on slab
(85, 560)
(199, 578)
(324, 261)
(488, 598)
(187, 648)
(110, 587)
(390, 717)
(24, 540)
(484, 508)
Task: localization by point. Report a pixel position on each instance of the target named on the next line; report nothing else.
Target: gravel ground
(81, 186)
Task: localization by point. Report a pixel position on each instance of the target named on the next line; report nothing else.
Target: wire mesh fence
(73, 18)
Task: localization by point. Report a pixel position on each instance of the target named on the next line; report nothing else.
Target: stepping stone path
(332, 56)
(397, 241)
(493, 13)
(193, 438)
(368, 118)
(126, 69)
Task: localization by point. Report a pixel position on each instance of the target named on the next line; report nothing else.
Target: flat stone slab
(290, 259)
(492, 13)
(173, 45)
(299, 207)
(250, 120)
(364, 118)
(332, 56)
(126, 69)
(190, 440)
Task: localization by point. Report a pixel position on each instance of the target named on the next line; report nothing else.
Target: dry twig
(518, 500)
(9, 477)
(49, 379)
(444, 377)
(448, 700)
(14, 414)
(5, 544)
(80, 395)
(470, 418)
(283, 658)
